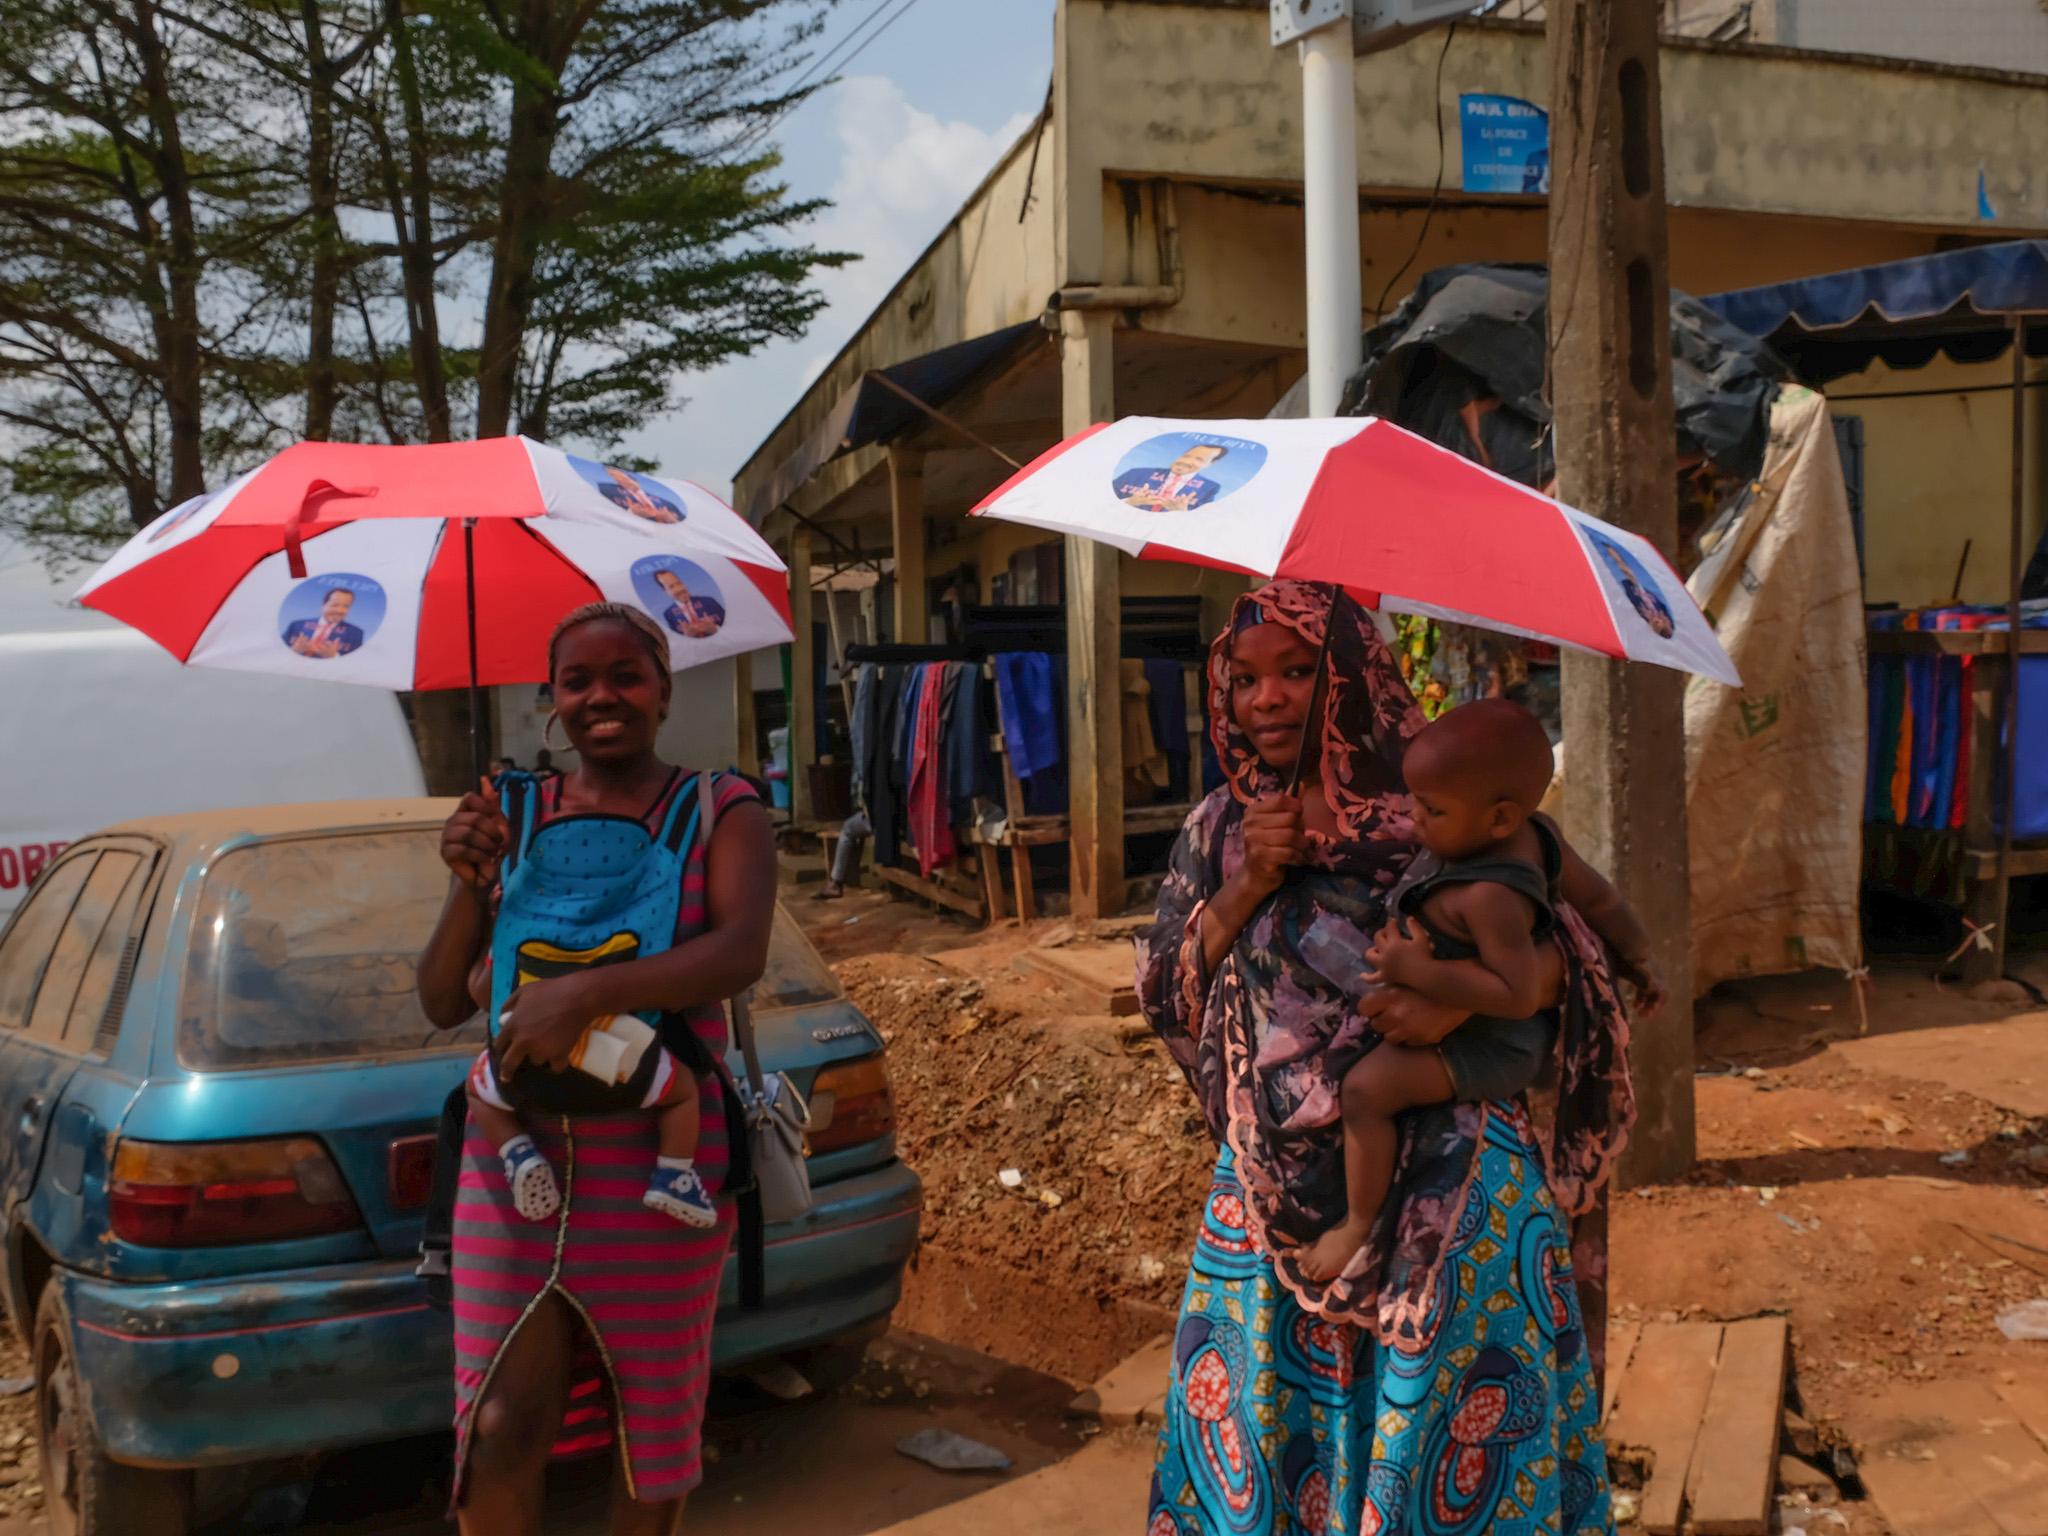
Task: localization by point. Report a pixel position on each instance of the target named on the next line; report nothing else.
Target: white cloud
(902, 173)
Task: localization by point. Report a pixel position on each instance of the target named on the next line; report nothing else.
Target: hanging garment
(859, 723)
(1030, 711)
(1169, 704)
(931, 827)
(968, 761)
(885, 789)
(1144, 764)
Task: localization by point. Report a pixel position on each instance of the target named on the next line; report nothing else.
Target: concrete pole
(1610, 338)
(1094, 600)
(1329, 154)
(803, 679)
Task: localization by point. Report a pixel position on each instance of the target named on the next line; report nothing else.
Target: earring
(547, 732)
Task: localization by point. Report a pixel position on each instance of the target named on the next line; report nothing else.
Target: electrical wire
(1436, 192)
(826, 62)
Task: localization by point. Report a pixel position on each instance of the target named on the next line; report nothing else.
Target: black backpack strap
(437, 1239)
(740, 1181)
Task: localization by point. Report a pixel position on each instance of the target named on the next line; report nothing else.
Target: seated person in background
(1481, 895)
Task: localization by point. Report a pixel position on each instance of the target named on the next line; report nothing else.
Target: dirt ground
(1891, 1220)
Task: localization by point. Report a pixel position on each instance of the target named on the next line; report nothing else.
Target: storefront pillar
(1094, 601)
(907, 534)
(803, 675)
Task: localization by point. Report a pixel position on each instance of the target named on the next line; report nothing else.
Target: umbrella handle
(1317, 693)
(318, 493)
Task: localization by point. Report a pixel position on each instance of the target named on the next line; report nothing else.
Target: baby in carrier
(1481, 894)
(613, 1049)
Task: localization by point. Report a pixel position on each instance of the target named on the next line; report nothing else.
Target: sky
(910, 128)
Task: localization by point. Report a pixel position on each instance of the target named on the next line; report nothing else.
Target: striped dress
(644, 1285)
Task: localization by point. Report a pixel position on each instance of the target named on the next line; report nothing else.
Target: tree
(117, 162)
(226, 225)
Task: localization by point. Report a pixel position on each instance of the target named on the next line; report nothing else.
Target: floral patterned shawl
(1266, 1040)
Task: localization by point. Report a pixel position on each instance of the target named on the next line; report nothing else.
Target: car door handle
(31, 1116)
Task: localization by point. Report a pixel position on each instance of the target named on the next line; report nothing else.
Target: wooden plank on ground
(931, 890)
(1621, 1345)
(1658, 1411)
(1735, 1464)
(1953, 1458)
(1099, 977)
(2027, 1397)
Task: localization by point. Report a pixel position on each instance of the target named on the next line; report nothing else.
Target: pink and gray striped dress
(644, 1285)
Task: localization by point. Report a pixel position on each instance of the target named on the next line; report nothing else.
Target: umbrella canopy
(443, 565)
(1401, 522)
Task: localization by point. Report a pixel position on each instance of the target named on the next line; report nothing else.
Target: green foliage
(221, 220)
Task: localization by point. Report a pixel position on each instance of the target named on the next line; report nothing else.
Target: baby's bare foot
(1325, 1258)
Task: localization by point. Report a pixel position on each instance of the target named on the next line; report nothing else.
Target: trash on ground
(780, 1379)
(1010, 1178)
(2028, 1320)
(950, 1452)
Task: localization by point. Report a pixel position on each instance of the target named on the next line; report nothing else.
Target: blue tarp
(1960, 303)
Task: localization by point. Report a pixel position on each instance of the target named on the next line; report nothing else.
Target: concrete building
(1139, 251)
(1995, 34)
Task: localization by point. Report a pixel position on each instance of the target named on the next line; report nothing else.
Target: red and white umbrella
(443, 565)
(1402, 523)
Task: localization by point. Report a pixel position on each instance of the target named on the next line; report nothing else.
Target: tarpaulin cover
(1775, 770)
(870, 412)
(1957, 303)
(1462, 361)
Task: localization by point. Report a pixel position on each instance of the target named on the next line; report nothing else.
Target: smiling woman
(1440, 1382)
(611, 896)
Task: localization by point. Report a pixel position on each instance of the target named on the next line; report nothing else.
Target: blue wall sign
(1507, 144)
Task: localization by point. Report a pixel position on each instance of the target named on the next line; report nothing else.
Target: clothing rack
(1022, 831)
(1976, 863)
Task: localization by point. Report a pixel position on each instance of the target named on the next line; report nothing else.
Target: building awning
(1958, 303)
(872, 412)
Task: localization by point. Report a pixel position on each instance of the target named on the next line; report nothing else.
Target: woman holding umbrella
(1442, 1382)
(604, 1311)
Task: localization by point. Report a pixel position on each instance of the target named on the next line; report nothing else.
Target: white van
(99, 725)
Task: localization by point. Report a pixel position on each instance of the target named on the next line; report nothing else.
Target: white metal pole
(1329, 144)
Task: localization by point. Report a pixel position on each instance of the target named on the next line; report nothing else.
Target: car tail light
(412, 1172)
(851, 1103)
(197, 1195)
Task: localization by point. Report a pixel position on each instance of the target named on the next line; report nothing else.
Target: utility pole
(1610, 340)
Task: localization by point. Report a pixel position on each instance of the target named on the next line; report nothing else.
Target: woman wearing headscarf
(1441, 1383)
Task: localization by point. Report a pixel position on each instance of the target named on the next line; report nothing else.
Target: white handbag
(776, 1114)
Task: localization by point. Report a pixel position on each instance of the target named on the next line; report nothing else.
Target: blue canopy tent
(1971, 305)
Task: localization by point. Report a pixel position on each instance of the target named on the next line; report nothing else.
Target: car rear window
(795, 975)
(304, 950)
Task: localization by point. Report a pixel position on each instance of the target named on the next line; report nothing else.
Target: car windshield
(304, 950)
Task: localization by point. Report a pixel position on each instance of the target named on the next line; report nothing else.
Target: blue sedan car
(218, 1097)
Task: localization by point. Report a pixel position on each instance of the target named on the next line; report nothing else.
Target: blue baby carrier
(583, 891)
(578, 891)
